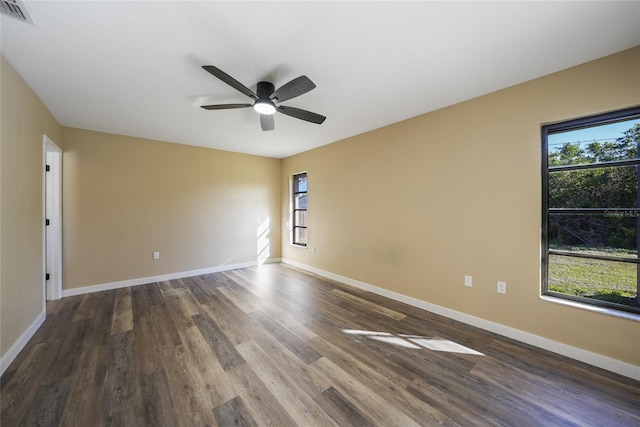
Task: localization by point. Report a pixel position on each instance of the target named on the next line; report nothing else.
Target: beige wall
(415, 206)
(125, 197)
(379, 205)
(24, 121)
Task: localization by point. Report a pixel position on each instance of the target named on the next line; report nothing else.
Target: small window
(591, 210)
(299, 212)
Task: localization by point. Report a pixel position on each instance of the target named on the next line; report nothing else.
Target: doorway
(53, 219)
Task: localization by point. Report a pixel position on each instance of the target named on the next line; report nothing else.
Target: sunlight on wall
(263, 241)
(415, 341)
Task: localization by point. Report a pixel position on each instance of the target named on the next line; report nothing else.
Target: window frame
(576, 124)
(294, 210)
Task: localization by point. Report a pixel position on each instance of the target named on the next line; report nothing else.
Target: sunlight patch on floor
(416, 342)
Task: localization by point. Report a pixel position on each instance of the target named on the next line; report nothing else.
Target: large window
(591, 210)
(299, 214)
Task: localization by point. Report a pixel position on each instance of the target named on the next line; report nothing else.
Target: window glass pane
(613, 187)
(613, 230)
(615, 141)
(299, 183)
(301, 218)
(591, 278)
(300, 235)
(300, 201)
(610, 233)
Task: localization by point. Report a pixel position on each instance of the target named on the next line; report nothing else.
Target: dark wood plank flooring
(274, 346)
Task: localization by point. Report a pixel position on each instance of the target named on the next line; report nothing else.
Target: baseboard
(22, 341)
(594, 359)
(152, 279)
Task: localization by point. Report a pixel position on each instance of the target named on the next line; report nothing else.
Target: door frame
(52, 210)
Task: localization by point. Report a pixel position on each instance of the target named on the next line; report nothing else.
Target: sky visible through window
(302, 184)
(586, 136)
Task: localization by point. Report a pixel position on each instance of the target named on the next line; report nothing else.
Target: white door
(53, 219)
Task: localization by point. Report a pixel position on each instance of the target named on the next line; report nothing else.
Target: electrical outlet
(502, 288)
(468, 281)
(156, 255)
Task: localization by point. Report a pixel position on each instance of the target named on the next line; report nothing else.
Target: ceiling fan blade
(230, 81)
(295, 87)
(225, 106)
(267, 122)
(301, 114)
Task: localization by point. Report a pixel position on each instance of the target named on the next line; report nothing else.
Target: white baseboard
(594, 359)
(22, 341)
(152, 279)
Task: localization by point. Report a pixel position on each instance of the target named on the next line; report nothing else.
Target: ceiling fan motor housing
(265, 89)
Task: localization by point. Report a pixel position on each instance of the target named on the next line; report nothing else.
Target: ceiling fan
(267, 98)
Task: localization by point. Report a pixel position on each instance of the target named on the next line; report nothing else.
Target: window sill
(594, 308)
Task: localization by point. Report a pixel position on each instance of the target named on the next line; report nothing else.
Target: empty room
(282, 213)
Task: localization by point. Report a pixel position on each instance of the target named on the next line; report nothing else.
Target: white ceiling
(134, 68)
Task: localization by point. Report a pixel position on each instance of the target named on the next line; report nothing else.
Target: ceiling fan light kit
(263, 107)
(266, 98)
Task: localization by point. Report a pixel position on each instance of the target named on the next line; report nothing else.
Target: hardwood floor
(272, 345)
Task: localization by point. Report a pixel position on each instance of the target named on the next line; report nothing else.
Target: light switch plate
(502, 288)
